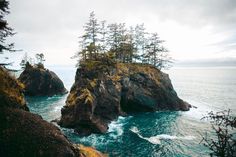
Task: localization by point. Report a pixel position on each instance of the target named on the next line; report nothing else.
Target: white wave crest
(156, 139)
(116, 127)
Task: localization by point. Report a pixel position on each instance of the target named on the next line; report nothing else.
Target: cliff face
(11, 91)
(26, 134)
(102, 92)
(39, 81)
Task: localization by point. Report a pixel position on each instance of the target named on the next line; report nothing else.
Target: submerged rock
(39, 81)
(26, 134)
(102, 92)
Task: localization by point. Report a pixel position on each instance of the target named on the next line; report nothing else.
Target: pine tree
(140, 41)
(118, 43)
(154, 49)
(90, 37)
(114, 39)
(103, 33)
(40, 58)
(5, 30)
(24, 61)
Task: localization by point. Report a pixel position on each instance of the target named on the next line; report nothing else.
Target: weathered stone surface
(39, 81)
(11, 91)
(26, 134)
(101, 93)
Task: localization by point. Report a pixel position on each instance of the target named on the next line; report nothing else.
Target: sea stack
(39, 81)
(26, 134)
(102, 91)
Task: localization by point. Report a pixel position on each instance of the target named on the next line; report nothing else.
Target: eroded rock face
(26, 134)
(101, 93)
(11, 91)
(39, 81)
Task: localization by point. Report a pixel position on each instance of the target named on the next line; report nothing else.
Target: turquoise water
(161, 133)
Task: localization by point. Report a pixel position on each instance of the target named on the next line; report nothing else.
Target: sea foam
(157, 139)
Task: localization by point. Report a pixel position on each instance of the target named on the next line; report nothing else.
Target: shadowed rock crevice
(103, 92)
(26, 134)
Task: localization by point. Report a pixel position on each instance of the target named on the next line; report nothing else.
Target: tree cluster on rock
(26, 60)
(122, 44)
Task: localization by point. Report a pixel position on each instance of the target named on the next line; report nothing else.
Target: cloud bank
(192, 29)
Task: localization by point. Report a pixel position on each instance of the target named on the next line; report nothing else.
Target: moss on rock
(11, 91)
(101, 92)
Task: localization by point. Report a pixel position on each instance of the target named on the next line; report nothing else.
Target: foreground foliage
(224, 126)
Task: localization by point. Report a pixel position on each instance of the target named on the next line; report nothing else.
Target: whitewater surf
(157, 139)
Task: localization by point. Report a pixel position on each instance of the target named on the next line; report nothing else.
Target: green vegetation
(10, 90)
(223, 125)
(116, 42)
(5, 30)
(27, 61)
(86, 96)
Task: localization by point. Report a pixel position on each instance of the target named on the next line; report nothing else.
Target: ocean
(167, 134)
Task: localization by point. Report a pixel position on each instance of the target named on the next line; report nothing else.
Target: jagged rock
(101, 93)
(39, 81)
(26, 134)
(11, 91)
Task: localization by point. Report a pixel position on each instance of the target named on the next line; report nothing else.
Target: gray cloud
(54, 25)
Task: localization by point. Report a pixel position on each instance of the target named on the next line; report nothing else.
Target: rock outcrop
(11, 91)
(26, 134)
(103, 91)
(39, 81)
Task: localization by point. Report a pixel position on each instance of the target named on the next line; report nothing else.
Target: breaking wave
(157, 139)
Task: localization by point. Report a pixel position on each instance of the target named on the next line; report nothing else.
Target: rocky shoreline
(102, 92)
(26, 134)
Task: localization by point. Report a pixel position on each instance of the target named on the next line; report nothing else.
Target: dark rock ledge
(39, 81)
(101, 92)
(24, 134)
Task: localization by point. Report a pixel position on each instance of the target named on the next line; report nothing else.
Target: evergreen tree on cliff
(90, 37)
(114, 38)
(116, 42)
(5, 30)
(156, 54)
(140, 41)
(103, 40)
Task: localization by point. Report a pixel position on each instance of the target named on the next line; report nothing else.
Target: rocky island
(26, 134)
(39, 81)
(102, 91)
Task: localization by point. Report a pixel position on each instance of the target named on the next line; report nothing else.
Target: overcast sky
(196, 29)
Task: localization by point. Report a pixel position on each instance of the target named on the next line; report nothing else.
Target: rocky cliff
(39, 81)
(102, 91)
(11, 91)
(26, 134)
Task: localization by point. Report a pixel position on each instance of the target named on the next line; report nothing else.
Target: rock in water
(26, 134)
(101, 92)
(39, 81)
